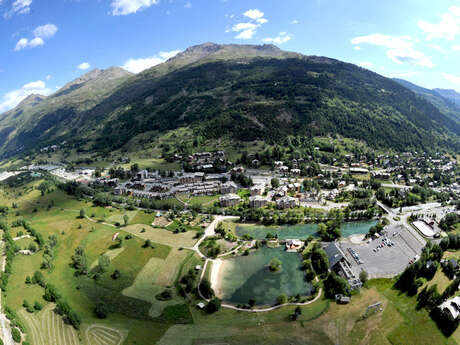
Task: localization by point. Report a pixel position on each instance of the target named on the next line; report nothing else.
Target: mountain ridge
(245, 92)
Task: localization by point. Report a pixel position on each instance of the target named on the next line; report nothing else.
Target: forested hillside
(243, 92)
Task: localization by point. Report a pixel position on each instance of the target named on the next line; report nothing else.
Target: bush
(213, 305)
(166, 295)
(281, 299)
(16, 335)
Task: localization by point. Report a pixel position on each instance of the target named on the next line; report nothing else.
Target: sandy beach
(216, 281)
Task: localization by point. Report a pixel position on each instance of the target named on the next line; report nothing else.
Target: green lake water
(246, 277)
(302, 231)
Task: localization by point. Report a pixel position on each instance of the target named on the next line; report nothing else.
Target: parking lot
(388, 260)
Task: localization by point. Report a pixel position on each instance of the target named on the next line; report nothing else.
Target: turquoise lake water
(302, 231)
(246, 277)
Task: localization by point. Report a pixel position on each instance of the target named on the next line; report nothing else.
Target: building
(229, 200)
(341, 299)
(286, 202)
(451, 306)
(257, 189)
(257, 201)
(295, 172)
(293, 245)
(228, 188)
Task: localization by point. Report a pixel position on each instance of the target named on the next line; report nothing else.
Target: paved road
(210, 231)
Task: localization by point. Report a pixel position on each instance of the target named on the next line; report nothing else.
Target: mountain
(244, 92)
(447, 101)
(451, 95)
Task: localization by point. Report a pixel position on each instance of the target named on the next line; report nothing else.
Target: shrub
(16, 335)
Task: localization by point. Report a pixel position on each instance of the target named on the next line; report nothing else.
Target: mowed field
(128, 321)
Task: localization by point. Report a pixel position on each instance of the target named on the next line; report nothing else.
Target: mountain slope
(447, 101)
(242, 92)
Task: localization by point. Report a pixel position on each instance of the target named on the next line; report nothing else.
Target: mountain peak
(99, 76)
(32, 100)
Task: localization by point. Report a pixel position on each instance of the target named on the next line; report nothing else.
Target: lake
(246, 277)
(301, 231)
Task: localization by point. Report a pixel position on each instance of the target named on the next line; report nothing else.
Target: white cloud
(452, 78)
(456, 47)
(125, 7)
(365, 64)
(35, 42)
(254, 14)
(448, 28)
(48, 77)
(13, 98)
(45, 31)
(18, 7)
(188, 4)
(41, 33)
(247, 30)
(22, 43)
(84, 66)
(399, 48)
(139, 65)
(295, 21)
(283, 37)
(357, 48)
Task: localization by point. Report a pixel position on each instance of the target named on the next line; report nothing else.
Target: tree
(51, 293)
(319, 260)
(147, 244)
(82, 213)
(275, 265)
(251, 302)
(126, 219)
(32, 247)
(213, 305)
(206, 289)
(101, 310)
(16, 334)
(335, 284)
(281, 299)
(363, 276)
(38, 306)
(116, 274)
(275, 182)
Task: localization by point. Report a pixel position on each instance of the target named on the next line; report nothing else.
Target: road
(210, 231)
(6, 331)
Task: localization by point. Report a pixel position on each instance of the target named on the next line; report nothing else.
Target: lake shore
(216, 277)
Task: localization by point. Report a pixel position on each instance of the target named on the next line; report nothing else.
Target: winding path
(210, 231)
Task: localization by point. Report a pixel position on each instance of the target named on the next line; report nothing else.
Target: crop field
(47, 327)
(102, 335)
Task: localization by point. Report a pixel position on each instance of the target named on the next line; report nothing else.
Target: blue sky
(47, 43)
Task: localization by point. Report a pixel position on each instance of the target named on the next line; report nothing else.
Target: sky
(46, 43)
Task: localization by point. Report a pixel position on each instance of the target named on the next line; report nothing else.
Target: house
(229, 200)
(278, 164)
(286, 202)
(341, 299)
(293, 245)
(257, 190)
(451, 306)
(200, 305)
(228, 188)
(358, 171)
(295, 172)
(257, 201)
